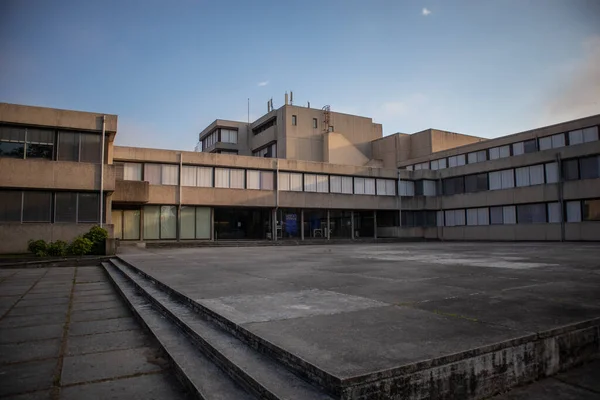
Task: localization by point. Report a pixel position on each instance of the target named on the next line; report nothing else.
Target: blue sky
(169, 68)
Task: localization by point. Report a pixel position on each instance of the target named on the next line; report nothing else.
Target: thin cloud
(263, 83)
(576, 96)
(425, 12)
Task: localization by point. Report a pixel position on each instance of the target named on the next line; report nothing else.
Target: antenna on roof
(291, 98)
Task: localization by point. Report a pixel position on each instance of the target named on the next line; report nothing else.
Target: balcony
(132, 192)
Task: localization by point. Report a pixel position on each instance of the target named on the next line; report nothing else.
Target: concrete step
(255, 371)
(260, 243)
(198, 374)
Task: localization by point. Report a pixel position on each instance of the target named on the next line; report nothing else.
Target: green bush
(98, 237)
(58, 248)
(80, 246)
(38, 247)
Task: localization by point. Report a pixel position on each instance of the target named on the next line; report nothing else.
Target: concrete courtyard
(358, 309)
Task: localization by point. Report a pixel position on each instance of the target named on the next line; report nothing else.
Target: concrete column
(274, 224)
(328, 226)
(352, 223)
(375, 224)
(302, 224)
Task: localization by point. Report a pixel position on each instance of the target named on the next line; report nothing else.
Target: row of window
(579, 168)
(265, 125)
(41, 206)
(31, 143)
(269, 151)
(167, 174)
(528, 146)
(298, 182)
(220, 135)
(160, 222)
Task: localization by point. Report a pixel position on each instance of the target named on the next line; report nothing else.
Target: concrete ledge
(57, 262)
(259, 243)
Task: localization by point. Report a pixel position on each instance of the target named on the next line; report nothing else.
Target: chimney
(286, 98)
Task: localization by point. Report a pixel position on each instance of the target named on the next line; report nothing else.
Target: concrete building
(340, 179)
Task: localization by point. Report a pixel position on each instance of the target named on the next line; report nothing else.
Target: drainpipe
(561, 200)
(274, 224)
(102, 171)
(179, 199)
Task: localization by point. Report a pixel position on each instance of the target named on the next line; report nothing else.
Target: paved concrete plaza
(355, 309)
(66, 334)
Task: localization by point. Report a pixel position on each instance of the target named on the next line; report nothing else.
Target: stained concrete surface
(410, 302)
(57, 341)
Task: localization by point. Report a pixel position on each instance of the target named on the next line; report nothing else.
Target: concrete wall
(14, 236)
(134, 192)
(337, 149)
(444, 140)
(61, 175)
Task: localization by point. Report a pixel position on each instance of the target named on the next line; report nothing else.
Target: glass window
(453, 186)
(551, 172)
(131, 224)
(477, 156)
(390, 187)
(570, 170)
(187, 228)
(237, 179)
(132, 171)
(435, 165)
(531, 213)
(252, 179)
(590, 134)
(576, 137)
(518, 148)
(554, 212)
(10, 205)
(589, 167)
(169, 174)
(347, 185)
(189, 175)
(12, 142)
(295, 182)
(558, 141)
(91, 146)
(205, 177)
(65, 207)
(266, 180)
(117, 220)
(222, 177)
(509, 215)
(36, 206)
(322, 184)
(449, 217)
(573, 211)
(335, 184)
(310, 183)
(284, 181)
(496, 216)
(294, 120)
(68, 146)
(536, 174)
(151, 222)
(315, 123)
(88, 209)
(359, 185)
(499, 152)
(440, 218)
(530, 146)
(508, 179)
(456, 161)
(152, 173)
(168, 222)
(495, 180)
(203, 222)
(472, 216)
(476, 183)
(428, 188)
(522, 176)
(591, 210)
(545, 143)
(370, 186)
(40, 143)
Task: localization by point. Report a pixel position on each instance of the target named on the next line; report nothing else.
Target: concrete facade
(338, 178)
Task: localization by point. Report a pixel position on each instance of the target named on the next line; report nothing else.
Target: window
(65, 207)
(40, 143)
(252, 179)
(168, 222)
(10, 205)
(496, 216)
(264, 126)
(237, 179)
(503, 215)
(576, 137)
(437, 164)
(229, 178)
(322, 184)
(530, 146)
(204, 177)
(573, 211)
(590, 134)
(476, 183)
(554, 212)
(440, 218)
(161, 174)
(531, 213)
(477, 156)
(406, 188)
(589, 167)
(315, 123)
(76, 146)
(289, 181)
(478, 216)
(36, 206)
(518, 148)
(551, 172)
(229, 136)
(455, 217)
(132, 171)
(68, 146)
(91, 146)
(429, 188)
(509, 214)
(456, 161)
(591, 210)
(570, 170)
(501, 179)
(88, 207)
(364, 186)
(409, 168)
(453, 186)
(528, 176)
(417, 219)
(269, 151)
(189, 176)
(267, 179)
(310, 183)
(552, 142)
(195, 223)
(499, 152)
(222, 177)
(210, 140)
(341, 184)
(12, 142)
(424, 165)
(294, 120)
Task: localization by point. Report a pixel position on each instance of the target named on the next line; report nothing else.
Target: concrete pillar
(274, 225)
(212, 224)
(302, 224)
(328, 226)
(375, 224)
(352, 223)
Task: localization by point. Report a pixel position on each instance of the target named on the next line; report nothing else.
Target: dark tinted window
(36, 206)
(89, 207)
(589, 167)
(530, 146)
(68, 146)
(570, 169)
(591, 210)
(90, 148)
(40, 143)
(12, 142)
(531, 213)
(496, 216)
(66, 207)
(418, 188)
(10, 206)
(453, 185)
(476, 183)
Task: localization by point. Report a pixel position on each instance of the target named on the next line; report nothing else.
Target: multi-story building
(299, 173)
